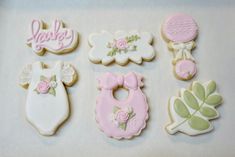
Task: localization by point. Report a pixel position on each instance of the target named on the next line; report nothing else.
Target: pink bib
(125, 118)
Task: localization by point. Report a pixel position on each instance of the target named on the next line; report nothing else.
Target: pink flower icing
(43, 87)
(180, 28)
(121, 44)
(122, 116)
(185, 69)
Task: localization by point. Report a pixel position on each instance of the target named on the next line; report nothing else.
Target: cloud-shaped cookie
(121, 47)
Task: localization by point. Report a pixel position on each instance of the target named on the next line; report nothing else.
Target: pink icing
(121, 44)
(122, 116)
(185, 69)
(43, 87)
(106, 102)
(180, 28)
(54, 39)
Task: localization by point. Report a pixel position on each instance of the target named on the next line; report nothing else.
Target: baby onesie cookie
(121, 47)
(47, 105)
(56, 38)
(191, 111)
(126, 118)
(180, 30)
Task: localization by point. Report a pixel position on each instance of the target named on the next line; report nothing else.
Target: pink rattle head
(180, 28)
(185, 69)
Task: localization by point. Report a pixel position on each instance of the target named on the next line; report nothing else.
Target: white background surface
(79, 136)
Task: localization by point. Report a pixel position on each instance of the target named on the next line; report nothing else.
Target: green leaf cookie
(199, 91)
(191, 111)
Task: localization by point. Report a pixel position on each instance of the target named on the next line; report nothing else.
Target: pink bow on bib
(112, 81)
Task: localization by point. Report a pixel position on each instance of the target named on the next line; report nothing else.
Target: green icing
(52, 91)
(181, 109)
(214, 100)
(210, 87)
(208, 112)
(190, 100)
(199, 91)
(198, 123)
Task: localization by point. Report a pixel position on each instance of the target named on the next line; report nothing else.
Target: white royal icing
(121, 47)
(46, 111)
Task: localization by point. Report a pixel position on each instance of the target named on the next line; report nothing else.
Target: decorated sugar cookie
(192, 111)
(126, 118)
(55, 39)
(180, 30)
(47, 105)
(121, 47)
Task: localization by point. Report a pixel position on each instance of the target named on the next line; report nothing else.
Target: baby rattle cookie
(126, 118)
(191, 111)
(180, 30)
(56, 39)
(121, 47)
(47, 105)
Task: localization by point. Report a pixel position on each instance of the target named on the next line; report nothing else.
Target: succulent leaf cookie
(55, 39)
(126, 118)
(47, 105)
(192, 111)
(121, 47)
(180, 30)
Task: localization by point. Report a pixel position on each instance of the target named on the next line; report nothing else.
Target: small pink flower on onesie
(46, 85)
(43, 87)
(121, 44)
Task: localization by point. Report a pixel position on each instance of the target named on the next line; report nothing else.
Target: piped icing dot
(185, 69)
(180, 28)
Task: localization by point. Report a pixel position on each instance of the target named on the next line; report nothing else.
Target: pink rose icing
(185, 69)
(121, 44)
(180, 28)
(130, 114)
(43, 87)
(122, 116)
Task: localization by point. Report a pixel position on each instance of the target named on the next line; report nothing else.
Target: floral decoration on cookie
(126, 118)
(46, 85)
(180, 30)
(47, 105)
(121, 47)
(56, 39)
(120, 116)
(191, 111)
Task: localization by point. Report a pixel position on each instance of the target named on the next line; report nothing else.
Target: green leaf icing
(210, 87)
(198, 123)
(214, 100)
(208, 112)
(122, 45)
(52, 91)
(199, 91)
(190, 100)
(181, 109)
(193, 114)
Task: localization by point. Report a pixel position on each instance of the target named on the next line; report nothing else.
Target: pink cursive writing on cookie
(55, 39)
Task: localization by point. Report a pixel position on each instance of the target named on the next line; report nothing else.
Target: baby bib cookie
(121, 47)
(126, 118)
(55, 39)
(192, 111)
(47, 105)
(180, 30)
